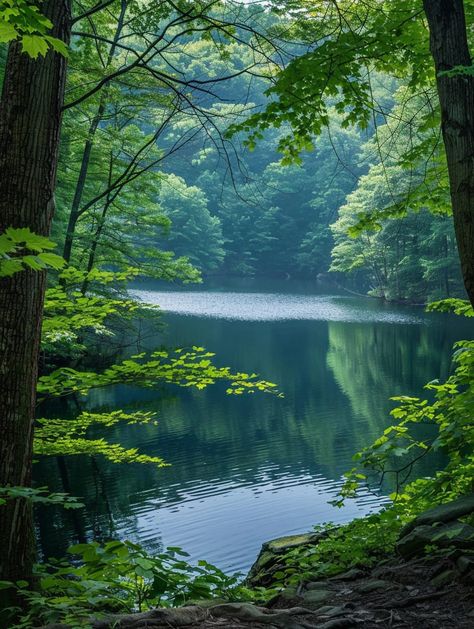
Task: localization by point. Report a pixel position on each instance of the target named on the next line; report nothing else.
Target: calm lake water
(248, 469)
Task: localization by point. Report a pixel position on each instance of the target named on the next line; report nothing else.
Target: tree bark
(30, 121)
(450, 49)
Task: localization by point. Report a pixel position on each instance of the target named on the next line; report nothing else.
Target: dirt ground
(431, 592)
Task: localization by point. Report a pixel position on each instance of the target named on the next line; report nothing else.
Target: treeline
(148, 176)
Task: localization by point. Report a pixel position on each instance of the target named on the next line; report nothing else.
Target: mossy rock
(445, 536)
(447, 512)
(283, 544)
(269, 559)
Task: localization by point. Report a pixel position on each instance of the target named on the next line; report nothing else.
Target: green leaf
(7, 32)
(10, 267)
(52, 260)
(34, 45)
(33, 262)
(30, 240)
(57, 45)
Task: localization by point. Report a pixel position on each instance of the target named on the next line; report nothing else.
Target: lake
(250, 468)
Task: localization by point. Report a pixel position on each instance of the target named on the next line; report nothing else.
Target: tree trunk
(30, 120)
(81, 182)
(86, 155)
(449, 47)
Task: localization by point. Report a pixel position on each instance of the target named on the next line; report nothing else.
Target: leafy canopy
(348, 42)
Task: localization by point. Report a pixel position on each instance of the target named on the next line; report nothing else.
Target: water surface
(247, 469)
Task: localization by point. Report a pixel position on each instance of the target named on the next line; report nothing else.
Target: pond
(247, 469)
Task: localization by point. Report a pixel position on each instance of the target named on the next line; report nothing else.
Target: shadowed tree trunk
(449, 47)
(30, 120)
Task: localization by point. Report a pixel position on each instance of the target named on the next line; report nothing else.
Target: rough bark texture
(449, 47)
(30, 120)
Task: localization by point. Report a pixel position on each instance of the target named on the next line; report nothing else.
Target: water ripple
(239, 517)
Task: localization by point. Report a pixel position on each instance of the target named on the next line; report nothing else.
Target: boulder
(451, 535)
(269, 559)
(284, 544)
(462, 506)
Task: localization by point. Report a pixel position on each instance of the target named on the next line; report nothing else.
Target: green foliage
(276, 222)
(23, 21)
(136, 113)
(194, 232)
(120, 221)
(117, 577)
(21, 249)
(363, 542)
(458, 70)
(73, 317)
(67, 437)
(191, 368)
(39, 495)
(347, 43)
(457, 306)
(378, 231)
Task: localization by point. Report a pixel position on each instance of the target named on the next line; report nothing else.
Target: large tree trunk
(449, 47)
(30, 120)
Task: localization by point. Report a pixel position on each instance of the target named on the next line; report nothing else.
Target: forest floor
(424, 593)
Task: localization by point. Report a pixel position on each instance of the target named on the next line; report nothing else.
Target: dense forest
(172, 171)
(257, 215)
(318, 141)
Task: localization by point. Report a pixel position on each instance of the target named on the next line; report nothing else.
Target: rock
(374, 584)
(265, 558)
(268, 560)
(443, 513)
(453, 534)
(444, 578)
(316, 597)
(283, 544)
